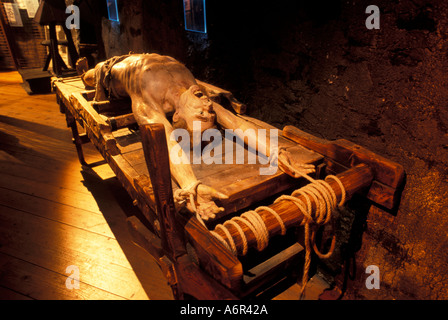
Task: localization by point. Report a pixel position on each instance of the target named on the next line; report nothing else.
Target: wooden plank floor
(54, 215)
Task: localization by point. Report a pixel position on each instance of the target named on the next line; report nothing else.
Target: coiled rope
(255, 223)
(324, 198)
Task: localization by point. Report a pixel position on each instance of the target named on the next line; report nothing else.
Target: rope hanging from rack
(318, 191)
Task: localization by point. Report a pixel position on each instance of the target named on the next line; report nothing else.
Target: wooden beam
(388, 176)
(157, 160)
(194, 282)
(213, 256)
(121, 121)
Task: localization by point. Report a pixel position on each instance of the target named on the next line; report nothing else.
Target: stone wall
(315, 65)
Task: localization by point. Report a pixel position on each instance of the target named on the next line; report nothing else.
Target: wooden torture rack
(192, 256)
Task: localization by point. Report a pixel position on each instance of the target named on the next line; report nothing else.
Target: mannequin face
(194, 105)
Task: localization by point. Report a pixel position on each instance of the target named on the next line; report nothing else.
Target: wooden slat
(25, 280)
(270, 269)
(121, 121)
(15, 158)
(45, 176)
(85, 109)
(127, 140)
(45, 191)
(55, 211)
(56, 246)
(9, 294)
(213, 256)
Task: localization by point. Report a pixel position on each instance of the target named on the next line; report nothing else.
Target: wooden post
(71, 123)
(157, 160)
(353, 180)
(72, 53)
(54, 50)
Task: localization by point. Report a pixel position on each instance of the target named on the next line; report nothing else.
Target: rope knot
(189, 193)
(181, 196)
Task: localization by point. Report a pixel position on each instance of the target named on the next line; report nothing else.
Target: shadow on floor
(116, 205)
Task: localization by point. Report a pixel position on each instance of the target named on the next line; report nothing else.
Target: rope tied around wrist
(181, 196)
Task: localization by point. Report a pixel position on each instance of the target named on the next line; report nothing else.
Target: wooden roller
(353, 180)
